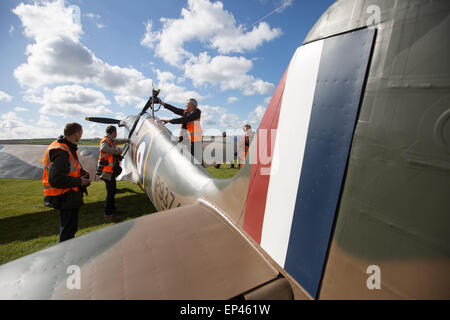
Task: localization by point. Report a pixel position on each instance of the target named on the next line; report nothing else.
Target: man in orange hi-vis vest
(64, 180)
(108, 169)
(190, 124)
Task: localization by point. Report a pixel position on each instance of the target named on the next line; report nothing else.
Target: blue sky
(65, 60)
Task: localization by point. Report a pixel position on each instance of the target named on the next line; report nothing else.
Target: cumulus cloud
(5, 97)
(237, 40)
(218, 117)
(209, 23)
(173, 92)
(9, 121)
(57, 55)
(230, 121)
(124, 100)
(227, 72)
(49, 20)
(150, 37)
(254, 118)
(46, 122)
(211, 115)
(73, 100)
(14, 127)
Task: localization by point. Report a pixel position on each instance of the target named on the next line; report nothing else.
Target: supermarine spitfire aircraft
(345, 194)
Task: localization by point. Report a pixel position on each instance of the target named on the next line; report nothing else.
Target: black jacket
(185, 116)
(58, 178)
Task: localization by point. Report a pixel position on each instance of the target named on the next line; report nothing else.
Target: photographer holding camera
(108, 169)
(65, 180)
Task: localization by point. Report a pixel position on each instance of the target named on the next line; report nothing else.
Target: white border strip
(289, 150)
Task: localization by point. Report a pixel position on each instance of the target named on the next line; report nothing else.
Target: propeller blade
(103, 120)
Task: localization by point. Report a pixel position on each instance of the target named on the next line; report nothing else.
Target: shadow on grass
(46, 223)
(127, 190)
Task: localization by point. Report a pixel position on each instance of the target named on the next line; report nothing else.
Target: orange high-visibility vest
(75, 169)
(107, 156)
(194, 129)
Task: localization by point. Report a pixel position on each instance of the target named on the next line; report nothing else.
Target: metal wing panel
(184, 253)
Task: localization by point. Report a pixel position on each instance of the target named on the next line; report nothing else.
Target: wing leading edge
(185, 253)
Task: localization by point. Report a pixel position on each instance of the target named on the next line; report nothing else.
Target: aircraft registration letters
(167, 198)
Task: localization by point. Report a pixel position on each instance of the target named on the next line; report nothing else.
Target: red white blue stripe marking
(315, 107)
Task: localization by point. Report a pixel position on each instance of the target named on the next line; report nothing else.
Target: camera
(85, 174)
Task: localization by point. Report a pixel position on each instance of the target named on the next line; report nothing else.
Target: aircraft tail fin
(300, 158)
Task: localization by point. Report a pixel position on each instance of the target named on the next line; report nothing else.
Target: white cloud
(46, 122)
(230, 121)
(73, 100)
(211, 115)
(258, 86)
(11, 29)
(124, 100)
(227, 72)
(119, 115)
(171, 91)
(52, 20)
(20, 109)
(75, 95)
(150, 37)
(5, 97)
(237, 40)
(91, 15)
(58, 56)
(93, 130)
(232, 99)
(209, 23)
(13, 127)
(254, 118)
(218, 117)
(95, 16)
(9, 121)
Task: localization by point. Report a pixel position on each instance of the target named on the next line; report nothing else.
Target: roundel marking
(140, 157)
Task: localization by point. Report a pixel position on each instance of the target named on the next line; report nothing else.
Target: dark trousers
(68, 224)
(197, 152)
(111, 190)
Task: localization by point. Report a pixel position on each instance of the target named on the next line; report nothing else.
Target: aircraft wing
(191, 252)
(27, 161)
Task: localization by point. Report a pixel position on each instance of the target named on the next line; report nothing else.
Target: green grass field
(224, 172)
(47, 141)
(27, 226)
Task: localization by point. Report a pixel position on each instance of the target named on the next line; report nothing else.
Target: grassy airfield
(46, 142)
(27, 226)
